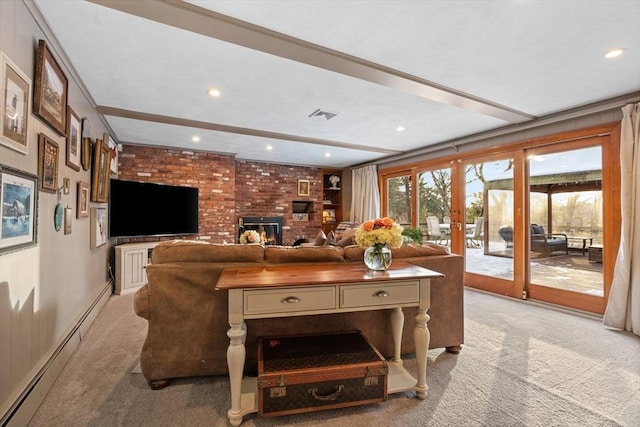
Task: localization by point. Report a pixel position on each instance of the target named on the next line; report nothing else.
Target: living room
(54, 284)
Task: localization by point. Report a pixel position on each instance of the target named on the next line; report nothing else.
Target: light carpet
(522, 364)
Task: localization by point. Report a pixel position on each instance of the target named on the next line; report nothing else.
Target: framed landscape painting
(14, 110)
(19, 196)
(50, 90)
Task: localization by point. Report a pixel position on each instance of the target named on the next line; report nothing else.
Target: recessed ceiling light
(614, 53)
(269, 148)
(214, 92)
(327, 154)
(195, 138)
(400, 128)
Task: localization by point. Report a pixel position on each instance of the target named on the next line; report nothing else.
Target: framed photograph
(74, 136)
(100, 172)
(303, 187)
(98, 227)
(113, 149)
(14, 110)
(48, 163)
(328, 215)
(68, 218)
(50, 90)
(18, 210)
(82, 204)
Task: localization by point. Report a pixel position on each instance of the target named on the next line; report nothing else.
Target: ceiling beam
(196, 124)
(203, 21)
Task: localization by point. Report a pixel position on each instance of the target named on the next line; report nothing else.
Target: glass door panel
(434, 205)
(566, 220)
(489, 218)
(399, 199)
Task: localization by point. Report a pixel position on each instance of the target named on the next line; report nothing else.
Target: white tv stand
(131, 261)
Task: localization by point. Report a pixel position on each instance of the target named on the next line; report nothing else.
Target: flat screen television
(139, 209)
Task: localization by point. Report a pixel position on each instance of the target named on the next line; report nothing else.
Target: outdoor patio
(572, 272)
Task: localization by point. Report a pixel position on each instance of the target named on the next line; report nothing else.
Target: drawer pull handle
(331, 396)
(290, 300)
(381, 294)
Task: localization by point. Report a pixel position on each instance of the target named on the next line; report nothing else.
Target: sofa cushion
(197, 251)
(300, 254)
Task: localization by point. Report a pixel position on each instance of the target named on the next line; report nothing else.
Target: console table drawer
(379, 294)
(264, 301)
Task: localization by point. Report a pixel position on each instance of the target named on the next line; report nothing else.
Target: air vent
(319, 113)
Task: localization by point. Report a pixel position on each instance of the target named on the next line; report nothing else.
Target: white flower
(249, 236)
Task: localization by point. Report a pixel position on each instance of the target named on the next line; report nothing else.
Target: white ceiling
(442, 69)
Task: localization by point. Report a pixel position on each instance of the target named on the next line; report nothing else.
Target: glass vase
(377, 258)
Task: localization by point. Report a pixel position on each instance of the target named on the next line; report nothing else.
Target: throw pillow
(331, 239)
(320, 238)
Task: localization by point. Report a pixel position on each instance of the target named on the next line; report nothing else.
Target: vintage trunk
(299, 374)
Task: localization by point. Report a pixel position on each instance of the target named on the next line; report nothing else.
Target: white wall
(44, 290)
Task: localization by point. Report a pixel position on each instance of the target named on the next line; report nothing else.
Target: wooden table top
(317, 274)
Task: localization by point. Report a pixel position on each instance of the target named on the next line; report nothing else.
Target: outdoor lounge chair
(547, 243)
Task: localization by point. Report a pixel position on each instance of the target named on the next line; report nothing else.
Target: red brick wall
(267, 189)
(229, 189)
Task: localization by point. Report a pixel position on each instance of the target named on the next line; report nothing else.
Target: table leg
(397, 324)
(236, 354)
(421, 338)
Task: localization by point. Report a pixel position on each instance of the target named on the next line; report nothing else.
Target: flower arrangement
(249, 236)
(378, 233)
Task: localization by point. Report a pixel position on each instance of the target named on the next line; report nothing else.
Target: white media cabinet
(131, 261)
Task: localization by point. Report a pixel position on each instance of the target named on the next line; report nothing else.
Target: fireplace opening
(269, 228)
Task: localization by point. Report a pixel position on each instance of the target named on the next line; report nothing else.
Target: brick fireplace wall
(229, 189)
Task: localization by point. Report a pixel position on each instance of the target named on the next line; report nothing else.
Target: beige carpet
(522, 365)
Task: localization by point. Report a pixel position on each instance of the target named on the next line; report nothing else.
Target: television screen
(147, 209)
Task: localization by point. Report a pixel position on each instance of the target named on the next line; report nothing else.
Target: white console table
(131, 261)
(283, 291)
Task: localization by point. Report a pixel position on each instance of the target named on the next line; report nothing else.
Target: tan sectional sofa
(187, 317)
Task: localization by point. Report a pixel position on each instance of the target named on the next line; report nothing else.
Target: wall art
(82, 204)
(74, 135)
(100, 172)
(14, 110)
(18, 210)
(48, 152)
(68, 219)
(303, 187)
(50, 90)
(98, 227)
(113, 150)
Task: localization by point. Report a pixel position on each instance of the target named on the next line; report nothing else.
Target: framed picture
(68, 218)
(328, 215)
(50, 90)
(47, 163)
(113, 149)
(18, 210)
(82, 204)
(100, 172)
(303, 187)
(98, 227)
(74, 135)
(14, 110)
(87, 146)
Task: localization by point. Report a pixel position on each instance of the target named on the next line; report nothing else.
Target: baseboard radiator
(25, 406)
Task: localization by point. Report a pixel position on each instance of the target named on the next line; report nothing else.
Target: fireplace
(269, 228)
